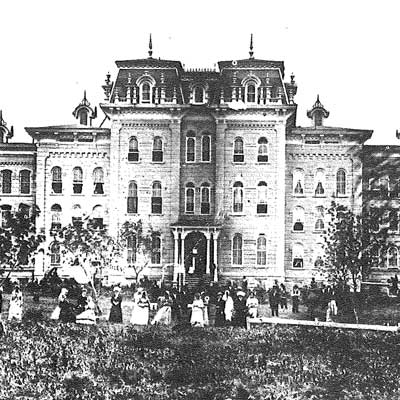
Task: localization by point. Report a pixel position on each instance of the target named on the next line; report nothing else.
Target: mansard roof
(252, 63)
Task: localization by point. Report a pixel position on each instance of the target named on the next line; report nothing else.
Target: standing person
(88, 316)
(16, 301)
(219, 310)
(35, 291)
(295, 299)
(283, 298)
(116, 306)
(240, 309)
(228, 310)
(142, 310)
(252, 305)
(81, 303)
(274, 300)
(197, 317)
(206, 302)
(66, 308)
(163, 315)
(332, 310)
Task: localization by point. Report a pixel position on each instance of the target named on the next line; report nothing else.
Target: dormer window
(145, 91)
(198, 95)
(251, 93)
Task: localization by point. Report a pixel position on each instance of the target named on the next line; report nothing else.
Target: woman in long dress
(252, 305)
(229, 307)
(116, 308)
(206, 303)
(141, 310)
(87, 317)
(16, 301)
(163, 315)
(197, 317)
(66, 308)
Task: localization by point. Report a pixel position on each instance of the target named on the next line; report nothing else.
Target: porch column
(183, 236)
(208, 237)
(215, 255)
(176, 237)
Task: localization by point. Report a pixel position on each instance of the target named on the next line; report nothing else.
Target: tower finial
(251, 52)
(150, 47)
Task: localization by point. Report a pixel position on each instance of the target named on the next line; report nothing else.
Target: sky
(345, 51)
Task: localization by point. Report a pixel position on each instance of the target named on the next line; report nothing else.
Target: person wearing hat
(295, 299)
(66, 308)
(116, 306)
(240, 309)
(252, 305)
(88, 316)
(219, 310)
(16, 301)
(163, 315)
(197, 317)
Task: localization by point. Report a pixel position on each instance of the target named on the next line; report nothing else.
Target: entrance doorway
(195, 253)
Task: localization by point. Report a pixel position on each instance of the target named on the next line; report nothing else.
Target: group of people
(174, 307)
(278, 297)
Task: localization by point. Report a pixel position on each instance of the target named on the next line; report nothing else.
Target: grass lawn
(48, 360)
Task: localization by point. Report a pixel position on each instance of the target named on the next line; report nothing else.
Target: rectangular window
(133, 156)
(132, 205)
(156, 205)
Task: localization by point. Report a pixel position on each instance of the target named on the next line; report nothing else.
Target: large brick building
(212, 160)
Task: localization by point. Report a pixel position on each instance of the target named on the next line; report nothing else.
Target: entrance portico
(195, 251)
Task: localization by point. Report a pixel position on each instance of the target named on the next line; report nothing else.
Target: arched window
(393, 256)
(319, 219)
(55, 254)
(133, 152)
(205, 148)
(237, 245)
(319, 255)
(298, 255)
(55, 217)
(251, 93)
(205, 199)
(98, 180)
(157, 149)
(198, 95)
(56, 180)
(76, 215)
(189, 198)
(132, 206)
(238, 151)
(319, 182)
(262, 207)
(298, 218)
(298, 182)
(341, 183)
(238, 197)
(262, 150)
(190, 149)
(156, 198)
(25, 181)
(77, 182)
(131, 249)
(6, 181)
(5, 215)
(394, 220)
(156, 249)
(97, 220)
(261, 250)
(145, 93)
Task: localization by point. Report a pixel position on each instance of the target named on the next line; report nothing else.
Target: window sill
(320, 196)
(99, 194)
(342, 196)
(320, 232)
(303, 231)
(238, 162)
(242, 214)
(205, 162)
(77, 194)
(56, 194)
(301, 196)
(156, 215)
(261, 214)
(263, 163)
(154, 162)
(134, 162)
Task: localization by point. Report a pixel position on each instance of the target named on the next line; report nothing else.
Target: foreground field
(45, 360)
